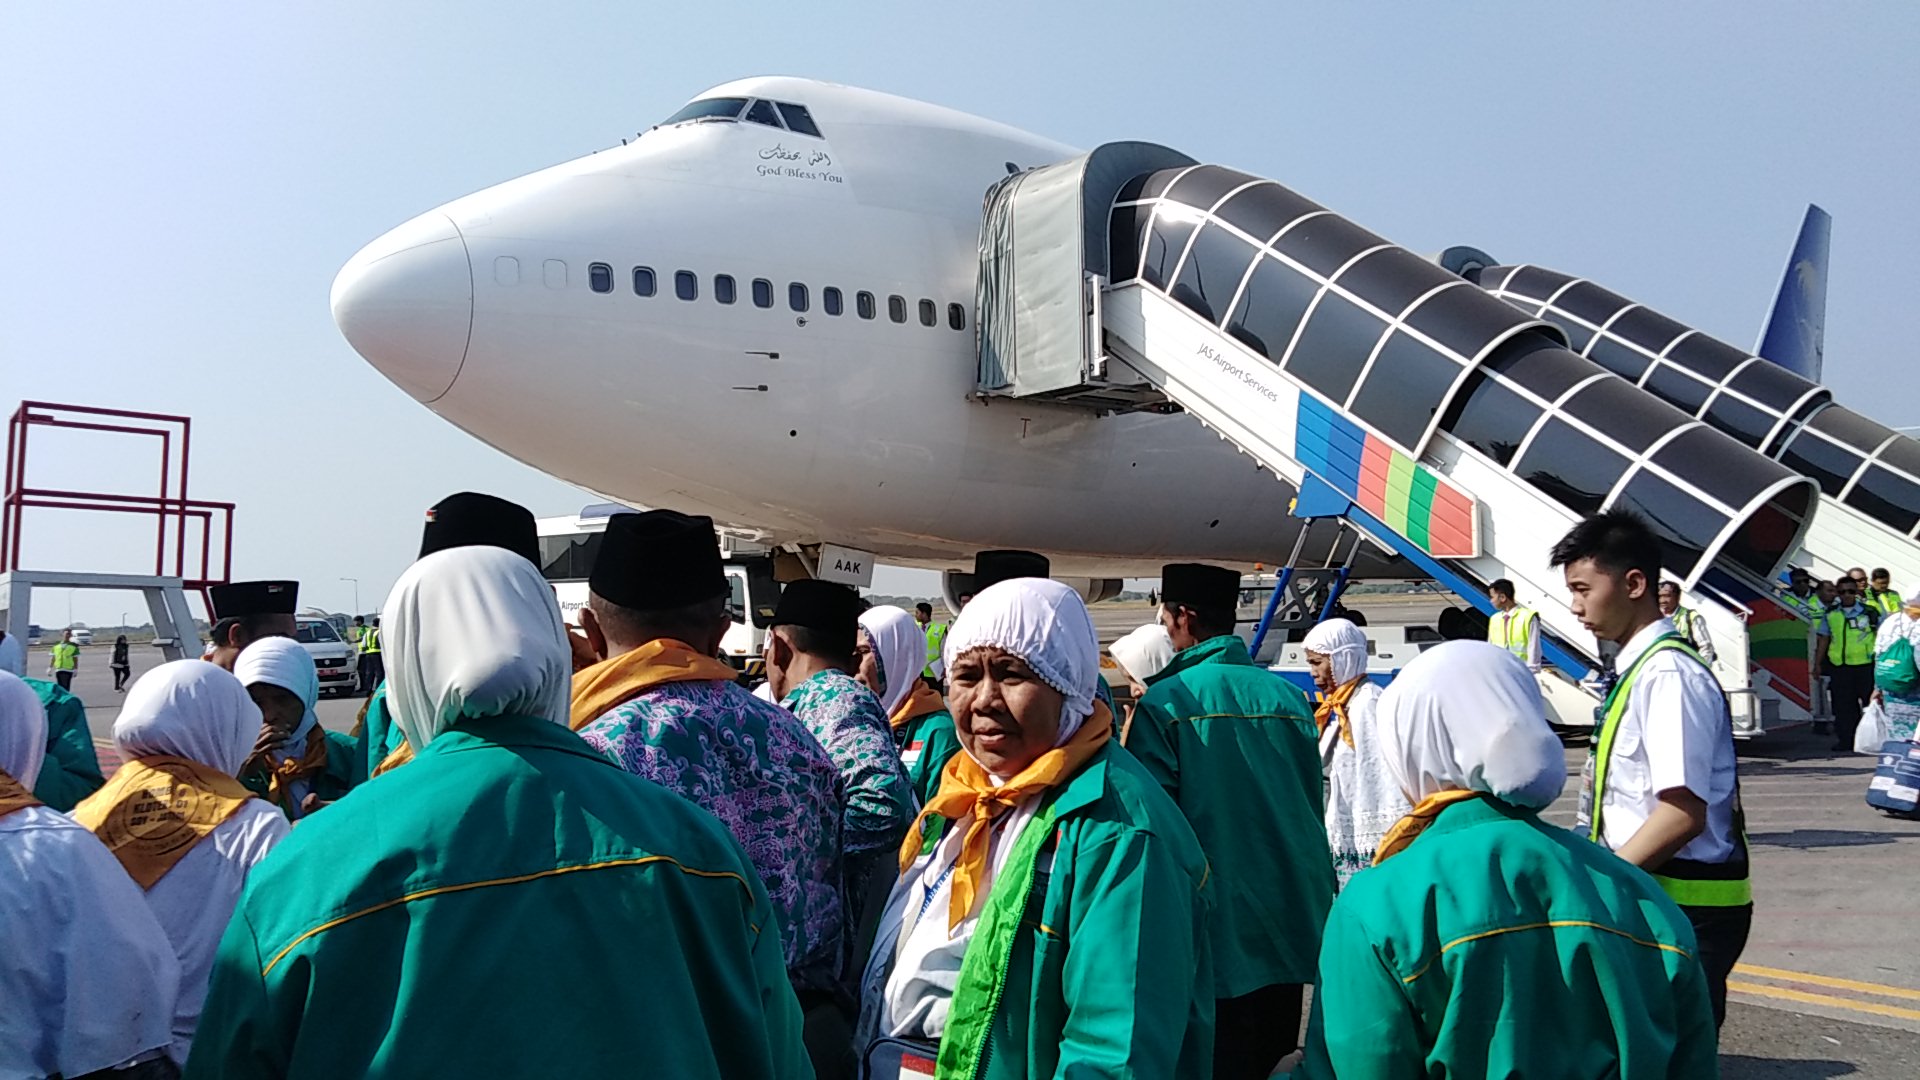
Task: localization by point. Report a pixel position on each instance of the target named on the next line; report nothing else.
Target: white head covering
(1345, 644)
(1144, 653)
(1469, 715)
(13, 654)
(474, 632)
(285, 663)
(1045, 624)
(23, 730)
(900, 646)
(189, 709)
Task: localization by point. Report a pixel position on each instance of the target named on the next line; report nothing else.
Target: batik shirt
(847, 720)
(754, 766)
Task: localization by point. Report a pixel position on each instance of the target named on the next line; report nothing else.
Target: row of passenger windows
(686, 286)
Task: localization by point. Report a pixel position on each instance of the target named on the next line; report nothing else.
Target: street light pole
(356, 593)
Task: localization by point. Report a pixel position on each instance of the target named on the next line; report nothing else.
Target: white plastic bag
(1872, 732)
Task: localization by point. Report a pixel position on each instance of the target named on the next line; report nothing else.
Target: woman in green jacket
(1485, 942)
(923, 732)
(1050, 917)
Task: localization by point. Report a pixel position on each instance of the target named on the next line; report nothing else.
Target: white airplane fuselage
(801, 427)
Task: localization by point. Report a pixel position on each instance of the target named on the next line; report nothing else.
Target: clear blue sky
(179, 184)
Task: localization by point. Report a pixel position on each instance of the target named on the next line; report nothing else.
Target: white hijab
(1469, 715)
(23, 730)
(473, 632)
(285, 663)
(1045, 624)
(189, 709)
(13, 654)
(1344, 643)
(900, 646)
(1144, 653)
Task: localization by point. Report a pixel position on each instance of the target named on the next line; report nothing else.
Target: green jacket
(341, 775)
(926, 743)
(1236, 747)
(1497, 945)
(510, 904)
(1109, 970)
(71, 771)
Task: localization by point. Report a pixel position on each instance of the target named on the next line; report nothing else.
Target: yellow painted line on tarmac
(1876, 989)
(1826, 1000)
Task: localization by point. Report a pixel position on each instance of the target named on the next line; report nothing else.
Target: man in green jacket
(511, 903)
(1235, 747)
(71, 771)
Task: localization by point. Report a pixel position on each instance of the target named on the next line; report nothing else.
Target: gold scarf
(13, 796)
(400, 756)
(612, 683)
(924, 699)
(1408, 829)
(967, 790)
(1335, 705)
(155, 809)
(282, 774)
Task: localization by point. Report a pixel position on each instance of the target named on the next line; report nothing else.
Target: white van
(569, 544)
(334, 659)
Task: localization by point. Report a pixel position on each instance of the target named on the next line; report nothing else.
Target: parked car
(332, 656)
(82, 636)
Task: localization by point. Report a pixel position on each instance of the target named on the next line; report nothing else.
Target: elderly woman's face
(1320, 665)
(1005, 716)
(868, 673)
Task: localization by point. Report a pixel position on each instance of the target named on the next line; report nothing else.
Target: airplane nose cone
(405, 302)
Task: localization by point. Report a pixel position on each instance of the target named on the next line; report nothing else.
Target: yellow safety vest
(1886, 603)
(66, 656)
(370, 641)
(936, 640)
(1850, 637)
(1511, 630)
(1694, 884)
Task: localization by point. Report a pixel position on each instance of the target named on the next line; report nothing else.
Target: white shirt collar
(1640, 642)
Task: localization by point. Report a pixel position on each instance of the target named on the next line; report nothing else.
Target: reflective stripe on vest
(1850, 638)
(1511, 630)
(1886, 603)
(370, 641)
(1694, 884)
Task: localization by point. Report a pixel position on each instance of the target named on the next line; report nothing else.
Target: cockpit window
(798, 119)
(761, 112)
(722, 108)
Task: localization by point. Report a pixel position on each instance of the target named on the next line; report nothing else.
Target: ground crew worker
(1236, 748)
(1662, 788)
(64, 660)
(1880, 595)
(1799, 597)
(373, 670)
(1848, 631)
(1687, 622)
(1512, 627)
(245, 612)
(936, 633)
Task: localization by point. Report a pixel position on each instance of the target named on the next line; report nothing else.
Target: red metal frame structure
(171, 508)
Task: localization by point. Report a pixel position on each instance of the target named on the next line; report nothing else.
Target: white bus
(569, 544)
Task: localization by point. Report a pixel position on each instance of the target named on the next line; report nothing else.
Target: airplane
(762, 309)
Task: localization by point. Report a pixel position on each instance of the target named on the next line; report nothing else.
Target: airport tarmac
(1830, 982)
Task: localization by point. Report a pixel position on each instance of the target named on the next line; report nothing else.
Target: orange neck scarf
(924, 699)
(612, 683)
(1334, 705)
(13, 796)
(155, 809)
(282, 774)
(1408, 829)
(966, 790)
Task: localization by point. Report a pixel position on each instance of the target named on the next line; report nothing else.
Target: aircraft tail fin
(1795, 334)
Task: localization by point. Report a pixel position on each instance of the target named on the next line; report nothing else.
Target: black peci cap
(1197, 585)
(245, 598)
(471, 519)
(990, 568)
(657, 561)
(829, 610)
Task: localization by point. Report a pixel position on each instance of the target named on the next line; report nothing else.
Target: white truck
(570, 543)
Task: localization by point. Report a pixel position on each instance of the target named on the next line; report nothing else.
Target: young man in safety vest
(1880, 596)
(63, 660)
(1688, 623)
(936, 670)
(1512, 627)
(1662, 787)
(373, 669)
(1847, 633)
